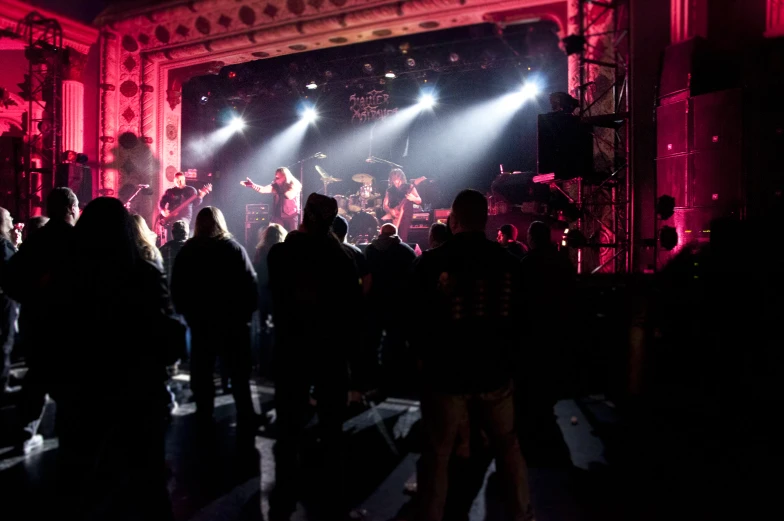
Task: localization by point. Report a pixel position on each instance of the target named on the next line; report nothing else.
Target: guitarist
(399, 201)
(176, 195)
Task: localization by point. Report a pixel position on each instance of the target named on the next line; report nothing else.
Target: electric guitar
(396, 214)
(168, 219)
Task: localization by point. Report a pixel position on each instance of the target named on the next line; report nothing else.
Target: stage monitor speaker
(686, 69)
(78, 178)
(718, 120)
(672, 128)
(564, 146)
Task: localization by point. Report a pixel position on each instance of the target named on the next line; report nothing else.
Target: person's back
(389, 260)
(169, 252)
(213, 277)
(310, 274)
(469, 286)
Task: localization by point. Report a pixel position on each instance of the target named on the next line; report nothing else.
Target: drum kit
(362, 209)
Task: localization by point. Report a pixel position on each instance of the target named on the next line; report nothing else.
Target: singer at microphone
(286, 190)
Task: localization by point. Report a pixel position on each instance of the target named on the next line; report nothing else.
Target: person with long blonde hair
(145, 241)
(214, 287)
(287, 191)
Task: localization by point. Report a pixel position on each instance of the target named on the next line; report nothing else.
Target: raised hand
(247, 183)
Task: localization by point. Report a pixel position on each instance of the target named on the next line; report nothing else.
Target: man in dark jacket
(28, 280)
(390, 261)
(311, 274)
(469, 311)
(214, 288)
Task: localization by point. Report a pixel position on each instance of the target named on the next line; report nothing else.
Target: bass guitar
(165, 220)
(396, 214)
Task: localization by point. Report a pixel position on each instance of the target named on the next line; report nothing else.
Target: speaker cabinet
(686, 69)
(564, 146)
(252, 233)
(718, 120)
(78, 178)
(672, 128)
(717, 178)
(672, 178)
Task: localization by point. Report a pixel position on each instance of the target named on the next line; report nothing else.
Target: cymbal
(362, 178)
(330, 179)
(321, 171)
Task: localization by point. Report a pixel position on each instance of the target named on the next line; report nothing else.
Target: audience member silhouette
(108, 370)
(310, 276)
(28, 280)
(9, 308)
(389, 259)
(169, 251)
(542, 371)
(214, 288)
(464, 332)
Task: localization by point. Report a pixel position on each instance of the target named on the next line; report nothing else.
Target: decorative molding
(74, 69)
(76, 35)
(774, 19)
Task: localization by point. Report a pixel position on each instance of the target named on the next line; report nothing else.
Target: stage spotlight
(236, 124)
(204, 99)
(454, 57)
(312, 85)
(529, 91)
(427, 101)
(390, 74)
(411, 62)
(310, 115)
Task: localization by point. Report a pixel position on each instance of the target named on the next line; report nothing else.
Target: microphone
(142, 186)
(319, 155)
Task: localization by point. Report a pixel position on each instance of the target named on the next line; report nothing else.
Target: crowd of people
(439, 326)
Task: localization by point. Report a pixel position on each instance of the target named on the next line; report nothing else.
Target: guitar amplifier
(256, 218)
(442, 214)
(256, 212)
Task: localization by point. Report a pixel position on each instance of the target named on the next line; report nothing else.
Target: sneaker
(32, 444)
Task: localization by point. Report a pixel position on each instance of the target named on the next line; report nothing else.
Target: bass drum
(362, 228)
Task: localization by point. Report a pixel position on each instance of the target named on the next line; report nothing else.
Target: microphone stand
(301, 163)
(374, 159)
(128, 202)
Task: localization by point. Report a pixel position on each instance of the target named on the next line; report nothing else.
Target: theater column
(73, 102)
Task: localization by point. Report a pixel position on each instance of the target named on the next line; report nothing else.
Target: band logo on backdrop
(373, 105)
